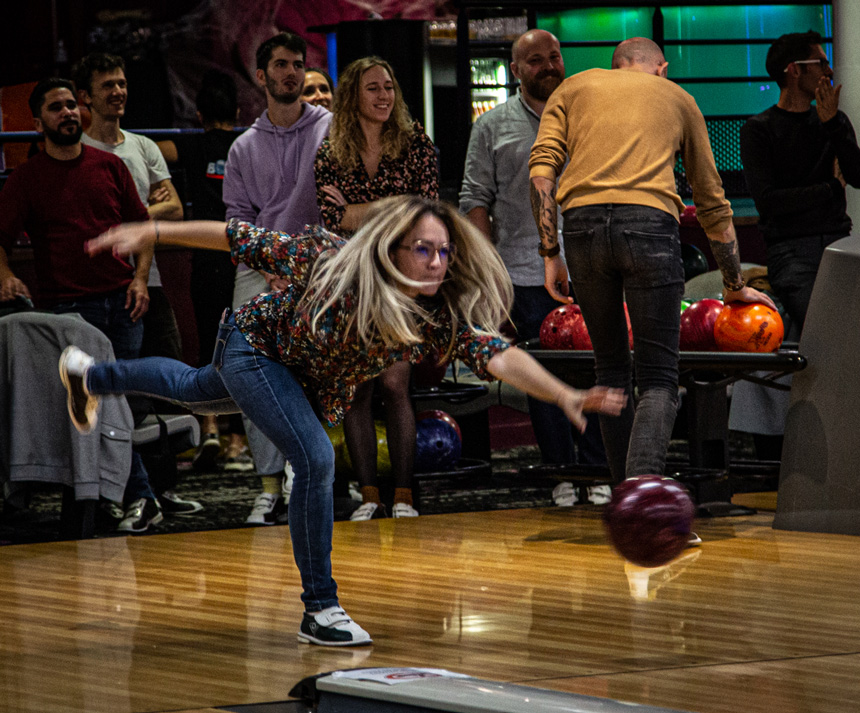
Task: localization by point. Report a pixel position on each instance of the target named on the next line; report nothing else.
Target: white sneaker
(287, 482)
(599, 494)
(332, 627)
(694, 540)
(367, 511)
(82, 406)
(403, 510)
(565, 495)
(268, 509)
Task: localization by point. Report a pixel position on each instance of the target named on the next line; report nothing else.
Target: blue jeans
(108, 314)
(792, 266)
(553, 432)
(241, 378)
(616, 252)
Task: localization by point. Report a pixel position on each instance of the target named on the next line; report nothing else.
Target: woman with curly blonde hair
(416, 281)
(375, 150)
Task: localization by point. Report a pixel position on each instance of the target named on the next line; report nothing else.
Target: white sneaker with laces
(599, 494)
(365, 511)
(403, 510)
(332, 627)
(564, 495)
(268, 507)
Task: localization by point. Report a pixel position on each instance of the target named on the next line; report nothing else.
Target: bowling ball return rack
(706, 377)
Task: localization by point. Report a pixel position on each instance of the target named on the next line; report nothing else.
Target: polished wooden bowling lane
(756, 620)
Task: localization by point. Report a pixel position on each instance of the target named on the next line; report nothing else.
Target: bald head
(640, 54)
(528, 40)
(537, 63)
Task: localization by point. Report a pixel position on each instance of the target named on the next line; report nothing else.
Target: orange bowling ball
(748, 327)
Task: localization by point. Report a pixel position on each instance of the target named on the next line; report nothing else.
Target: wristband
(549, 252)
(737, 287)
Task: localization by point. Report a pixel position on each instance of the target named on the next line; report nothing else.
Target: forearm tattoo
(544, 212)
(728, 260)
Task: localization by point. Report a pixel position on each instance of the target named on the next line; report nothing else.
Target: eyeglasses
(825, 64)
(427, 251)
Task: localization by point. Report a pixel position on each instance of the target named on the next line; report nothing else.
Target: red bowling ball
(648, 519)
(580, 337)
(556, 331)
(697, 326)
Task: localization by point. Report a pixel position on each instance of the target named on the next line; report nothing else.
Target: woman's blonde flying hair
(476, 288)
(345, 134)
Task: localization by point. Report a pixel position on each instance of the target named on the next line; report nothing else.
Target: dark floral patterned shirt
(415, 172)
(331, 362)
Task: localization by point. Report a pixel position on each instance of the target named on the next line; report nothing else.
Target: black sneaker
(83, 407)
(332, 627)
(108, 515)
(142, 513)
(172, 504)
(206, 456)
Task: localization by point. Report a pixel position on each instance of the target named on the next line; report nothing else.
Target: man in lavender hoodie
(269, 181)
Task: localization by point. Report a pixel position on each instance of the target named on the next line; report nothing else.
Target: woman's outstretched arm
(523, 371)
(131, 238)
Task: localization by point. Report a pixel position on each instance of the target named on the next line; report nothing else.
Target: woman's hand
(599, 399)
(334, 196)
(124, 240)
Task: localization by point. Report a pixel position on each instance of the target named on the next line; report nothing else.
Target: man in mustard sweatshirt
(621, 130)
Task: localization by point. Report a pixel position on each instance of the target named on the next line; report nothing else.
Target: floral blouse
(415, 172)
(331, 362)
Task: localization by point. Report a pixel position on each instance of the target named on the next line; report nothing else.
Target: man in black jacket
(798, 160)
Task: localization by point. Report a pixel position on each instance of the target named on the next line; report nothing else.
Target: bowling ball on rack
(694, 261)
(440, 415)
(648, 519)
(748, 327)
(437, 446)
(697, 326)
(342, 461)
(556, 330)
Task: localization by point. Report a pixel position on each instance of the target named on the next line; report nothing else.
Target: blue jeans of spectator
(553, 432)
(616, 252)
(242, 378)
(108, 313)
(792, 266)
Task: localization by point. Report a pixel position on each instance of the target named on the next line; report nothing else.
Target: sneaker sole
(91, 408)
(166, 509)
(157, 519)
(233, 468)
(307, 639)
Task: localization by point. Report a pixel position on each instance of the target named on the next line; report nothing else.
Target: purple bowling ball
(437, 446)
(649, 519)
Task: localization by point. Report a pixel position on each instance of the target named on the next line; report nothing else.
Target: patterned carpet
(228, 497)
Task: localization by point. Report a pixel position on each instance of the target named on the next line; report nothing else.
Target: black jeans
(629, 252)
(792, 266)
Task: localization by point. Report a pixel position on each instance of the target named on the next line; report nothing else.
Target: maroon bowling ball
(697, 326)
(649, 519)
(556, 330)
